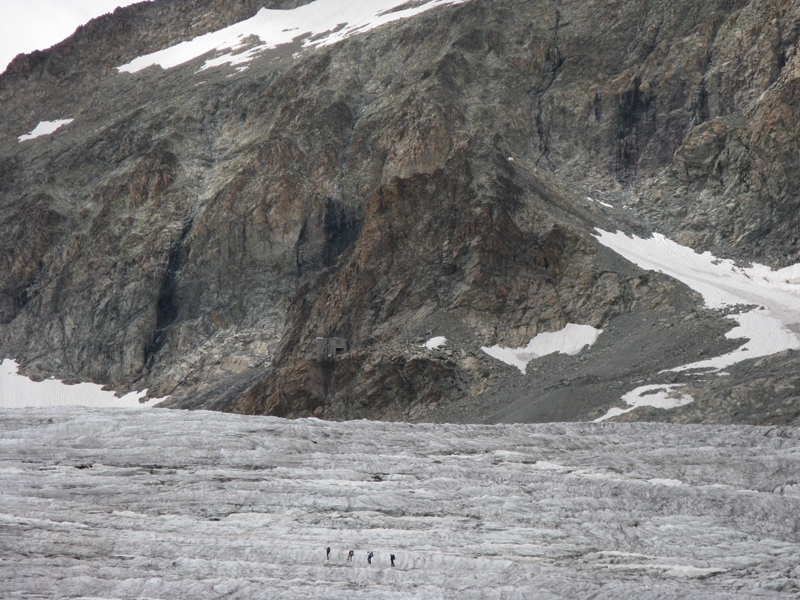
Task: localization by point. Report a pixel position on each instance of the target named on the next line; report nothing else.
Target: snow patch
(44, 128)
(766, 335)
(17, 391)
(434, 343)
(720, 282)
(769, 329)
(320, 23)
(657, 396)
(570, 340)
(600, 202)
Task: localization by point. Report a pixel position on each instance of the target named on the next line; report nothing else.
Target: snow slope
(17, 391)
(771, 327)
(44, 128)
(172, 504)
(320, 23)
(570, 340)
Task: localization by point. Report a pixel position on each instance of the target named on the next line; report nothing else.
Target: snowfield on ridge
(124, 503)
(319, 23)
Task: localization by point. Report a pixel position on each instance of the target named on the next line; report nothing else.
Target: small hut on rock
(330, 348)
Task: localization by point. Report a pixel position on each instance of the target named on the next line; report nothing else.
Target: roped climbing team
(370, 556)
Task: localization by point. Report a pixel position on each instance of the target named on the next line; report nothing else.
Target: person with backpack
(369, 557)
(391, 557)
(350, 556)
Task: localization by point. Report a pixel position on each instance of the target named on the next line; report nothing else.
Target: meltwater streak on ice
(17, 391)
(570, 340)
(769, 329)
(324, 22)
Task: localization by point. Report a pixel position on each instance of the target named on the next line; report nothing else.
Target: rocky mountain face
(194, 231)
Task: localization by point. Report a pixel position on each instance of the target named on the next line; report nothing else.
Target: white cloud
(28, 25)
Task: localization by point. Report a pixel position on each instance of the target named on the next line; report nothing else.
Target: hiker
(329, 552)
(369, 557)
(391, 557)
(350, 556)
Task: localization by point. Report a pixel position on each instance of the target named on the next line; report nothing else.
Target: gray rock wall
(193, 232)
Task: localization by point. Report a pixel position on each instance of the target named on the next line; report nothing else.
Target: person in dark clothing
(391, 557)
(328, 551)
(350, 556)
(369, 557)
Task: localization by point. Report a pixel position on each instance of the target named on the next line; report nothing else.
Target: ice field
(149, 503)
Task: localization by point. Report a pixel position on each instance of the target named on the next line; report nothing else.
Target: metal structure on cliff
(331, 348)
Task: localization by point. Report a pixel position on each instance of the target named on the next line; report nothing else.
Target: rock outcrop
(194, 232)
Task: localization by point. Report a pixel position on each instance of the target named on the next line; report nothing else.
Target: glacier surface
(124, 503)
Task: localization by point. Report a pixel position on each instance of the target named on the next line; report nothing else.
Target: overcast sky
(28, 25)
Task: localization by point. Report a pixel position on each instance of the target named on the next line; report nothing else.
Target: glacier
(149, 503)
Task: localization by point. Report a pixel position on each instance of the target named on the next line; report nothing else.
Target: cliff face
(192, 232)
